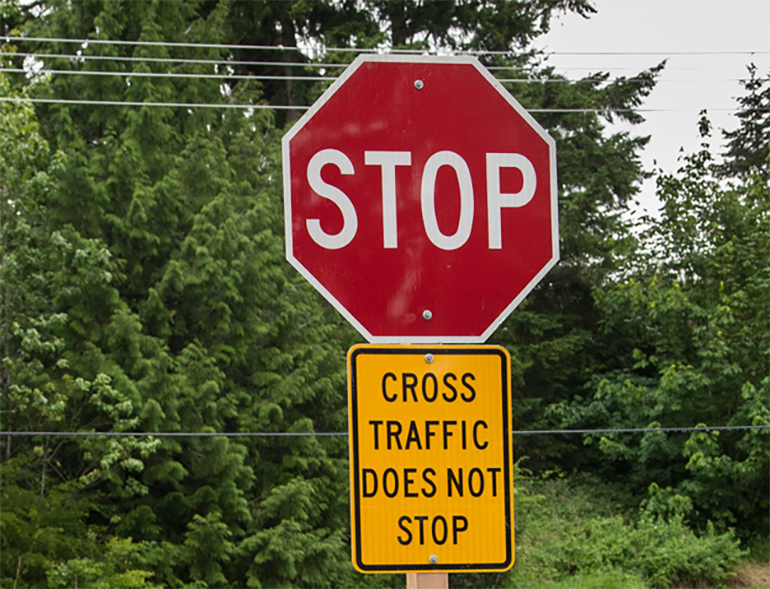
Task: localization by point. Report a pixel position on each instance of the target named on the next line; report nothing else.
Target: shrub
(571, 532)
(664, 552)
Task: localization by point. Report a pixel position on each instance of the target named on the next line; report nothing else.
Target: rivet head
(419, 84)
(427, 315)
(433, 559)
(429, 358)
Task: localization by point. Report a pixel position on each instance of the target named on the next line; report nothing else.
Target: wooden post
(427, 581)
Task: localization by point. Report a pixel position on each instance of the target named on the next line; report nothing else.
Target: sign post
(427, 581)
(431, 458)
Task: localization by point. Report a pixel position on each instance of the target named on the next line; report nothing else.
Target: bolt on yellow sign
(431, 471)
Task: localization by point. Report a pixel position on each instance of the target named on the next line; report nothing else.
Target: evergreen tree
(687, 330)
(44, 505)
(192, 324)
(748, 146)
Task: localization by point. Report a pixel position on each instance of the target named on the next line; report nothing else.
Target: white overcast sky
(713, 29)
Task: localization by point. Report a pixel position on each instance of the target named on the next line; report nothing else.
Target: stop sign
(420, 199)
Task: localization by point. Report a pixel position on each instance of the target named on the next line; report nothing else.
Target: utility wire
(46, 71)
(309, 64)
(178, 434)
(178, 60)
(86, 42)
(318, 65)
(166, 104)
(657, 52)
(169, 75)
(300, 107)
(342, 434)
(631, 430)
(356, 49)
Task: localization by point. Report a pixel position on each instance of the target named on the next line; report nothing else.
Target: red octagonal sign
(420, 199)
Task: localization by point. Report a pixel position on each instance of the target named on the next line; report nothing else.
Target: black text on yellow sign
(430, 458)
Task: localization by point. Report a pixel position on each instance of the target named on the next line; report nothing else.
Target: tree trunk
(5, 373)
(289, 39)
(398, 28)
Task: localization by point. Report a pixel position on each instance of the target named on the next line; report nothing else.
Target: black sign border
(355, 463)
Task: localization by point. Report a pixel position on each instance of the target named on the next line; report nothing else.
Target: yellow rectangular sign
(431, 468)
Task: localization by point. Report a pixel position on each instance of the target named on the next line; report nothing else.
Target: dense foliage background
(144, 289)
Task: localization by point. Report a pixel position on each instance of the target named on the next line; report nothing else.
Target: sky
(711, 31)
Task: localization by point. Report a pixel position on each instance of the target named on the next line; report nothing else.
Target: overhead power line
(175, 60)
(45, 71)
(308, 64)
(660, 53)
(355, 49)
(631, 430)
(198, 45)
(173, 75)
(178, 434)
(342, 434)
(166, 104)
(301, 107)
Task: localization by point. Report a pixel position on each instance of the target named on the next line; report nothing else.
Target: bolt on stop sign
(420, 199)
